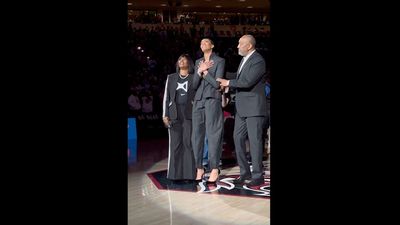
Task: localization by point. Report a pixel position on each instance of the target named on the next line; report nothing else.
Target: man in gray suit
(250, 110)
(207, 116)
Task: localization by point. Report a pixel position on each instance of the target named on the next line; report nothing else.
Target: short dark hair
(190, 61)
(211, 41)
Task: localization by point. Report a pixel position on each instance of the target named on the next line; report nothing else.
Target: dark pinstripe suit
(207, 118)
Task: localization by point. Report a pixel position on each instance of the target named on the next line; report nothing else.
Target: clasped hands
(203, 70)
(204, 66)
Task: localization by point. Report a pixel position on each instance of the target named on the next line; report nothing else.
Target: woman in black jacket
(177, 116)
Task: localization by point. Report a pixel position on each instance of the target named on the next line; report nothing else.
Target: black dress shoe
(214, 181)
(241, 180)
(257, 182)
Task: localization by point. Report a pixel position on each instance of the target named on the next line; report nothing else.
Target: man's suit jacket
(208, 87)
(169, 101)
(250, 97)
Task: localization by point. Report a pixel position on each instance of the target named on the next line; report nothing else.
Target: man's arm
(257, 71)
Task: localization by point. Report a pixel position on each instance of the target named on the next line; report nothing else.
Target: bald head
(250, 39)
(247, 43)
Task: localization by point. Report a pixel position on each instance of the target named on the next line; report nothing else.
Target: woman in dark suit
(177, 116)
(208, 118)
